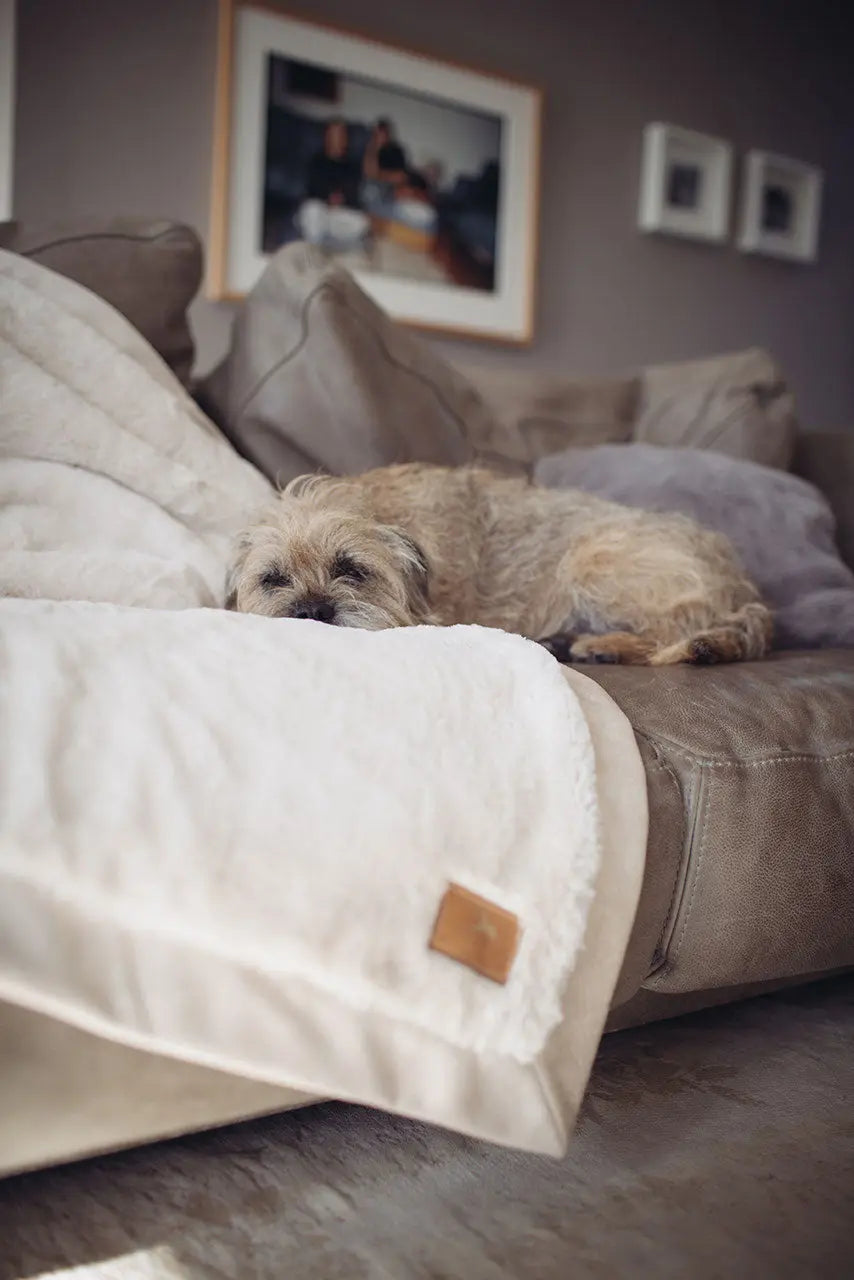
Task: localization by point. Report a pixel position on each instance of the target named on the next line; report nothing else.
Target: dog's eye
(344, 567)
(274, 578)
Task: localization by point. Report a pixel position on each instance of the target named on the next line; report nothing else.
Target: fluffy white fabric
(113, 486)
(300, 796)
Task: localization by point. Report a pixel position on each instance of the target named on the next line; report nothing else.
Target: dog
(592, 580)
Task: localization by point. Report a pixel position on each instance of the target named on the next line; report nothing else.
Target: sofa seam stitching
(98, 235)
(714, 762)
(662, 765)
(701, 853)
(693, 821)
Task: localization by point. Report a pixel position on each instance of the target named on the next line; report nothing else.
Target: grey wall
(116, 97)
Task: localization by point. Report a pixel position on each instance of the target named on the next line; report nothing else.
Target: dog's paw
(560, 647)
(701, 653)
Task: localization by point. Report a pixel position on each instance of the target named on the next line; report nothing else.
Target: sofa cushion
(319, 377)
(532, 414)
(781, 526)
(755, 881)
(737, 404)
(148, 269)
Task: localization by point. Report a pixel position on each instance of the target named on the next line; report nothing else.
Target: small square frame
(777, 188)
(667, 149)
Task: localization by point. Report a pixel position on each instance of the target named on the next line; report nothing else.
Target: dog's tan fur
(410, 544)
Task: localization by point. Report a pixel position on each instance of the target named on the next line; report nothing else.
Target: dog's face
(317, 555)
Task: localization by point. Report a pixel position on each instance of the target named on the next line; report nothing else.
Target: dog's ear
(415, 567)
(235, 569)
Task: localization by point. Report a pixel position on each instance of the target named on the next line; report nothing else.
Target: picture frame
(780, 207)
(419, 176)
(685, 183)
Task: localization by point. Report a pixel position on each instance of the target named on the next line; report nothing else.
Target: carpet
(713, 1146)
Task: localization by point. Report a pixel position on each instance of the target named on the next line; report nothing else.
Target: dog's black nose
(317, 610)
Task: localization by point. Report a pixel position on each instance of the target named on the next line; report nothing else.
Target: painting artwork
(388, 181)
(420, 177)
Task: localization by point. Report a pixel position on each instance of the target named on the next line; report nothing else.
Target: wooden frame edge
(215, 284)
(535, 176)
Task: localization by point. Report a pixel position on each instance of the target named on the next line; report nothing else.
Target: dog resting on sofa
(591, 579)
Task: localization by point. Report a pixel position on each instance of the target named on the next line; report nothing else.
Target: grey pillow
(782, 527)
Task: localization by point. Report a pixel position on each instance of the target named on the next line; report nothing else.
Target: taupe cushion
(148, 269)
(737, 404)
(318, 377)
(532, 414)
(750, 775)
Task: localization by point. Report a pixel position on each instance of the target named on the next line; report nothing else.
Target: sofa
(748, 885)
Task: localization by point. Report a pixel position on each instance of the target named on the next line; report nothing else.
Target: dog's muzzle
(316, 610)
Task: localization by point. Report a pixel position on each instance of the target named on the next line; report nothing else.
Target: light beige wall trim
(7, 105)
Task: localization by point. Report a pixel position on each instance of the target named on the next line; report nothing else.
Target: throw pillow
(737, 404)
(319, 377)
(148, 269)
(532, 413)
(780, 525)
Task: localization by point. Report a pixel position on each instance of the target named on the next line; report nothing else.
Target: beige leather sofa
(750, 862)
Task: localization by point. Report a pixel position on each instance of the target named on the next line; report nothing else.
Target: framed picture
(685, 183)
(781, 207)
(421, 177)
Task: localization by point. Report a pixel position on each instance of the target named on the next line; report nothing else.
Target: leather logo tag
(477, 933)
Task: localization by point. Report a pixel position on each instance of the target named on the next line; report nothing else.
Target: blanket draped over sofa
(226, 838)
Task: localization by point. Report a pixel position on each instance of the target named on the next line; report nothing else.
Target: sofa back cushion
(737, 404)
(148, 269)
(532, 413)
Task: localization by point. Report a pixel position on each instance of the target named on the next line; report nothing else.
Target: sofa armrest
(750, 774)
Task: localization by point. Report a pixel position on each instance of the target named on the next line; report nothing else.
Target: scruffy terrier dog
(592, 580)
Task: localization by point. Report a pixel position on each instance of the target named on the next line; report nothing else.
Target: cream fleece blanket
(113, 486)
(226, 838)
(299, 797)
